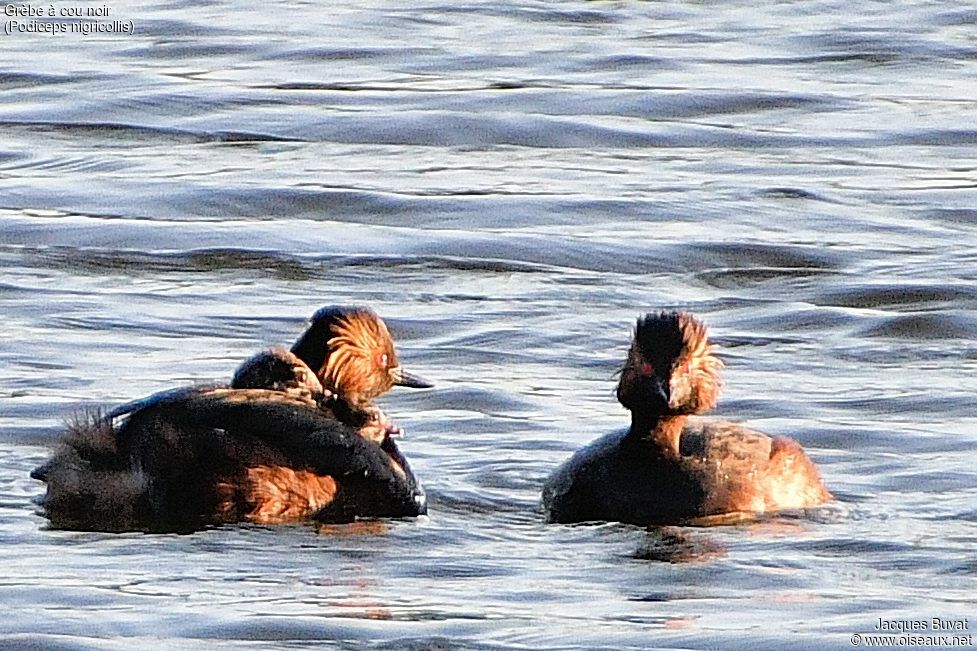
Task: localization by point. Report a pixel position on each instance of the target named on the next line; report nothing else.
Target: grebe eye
(383, 360)
(647, 370)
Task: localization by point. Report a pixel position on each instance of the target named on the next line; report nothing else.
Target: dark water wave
(946, 325)
(277, 264)
(10, 80)
(795, 193)
(371, 54)
(877, 48)
(440, 128)
(133, 245)
(902, 295)
(143, 133)
(528, 13)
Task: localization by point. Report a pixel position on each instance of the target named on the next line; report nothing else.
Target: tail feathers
(88, 486)
(89, 441)
(92, 436)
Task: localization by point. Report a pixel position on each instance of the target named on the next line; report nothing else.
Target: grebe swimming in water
(294, 436)
(357, 364)
(667, 469)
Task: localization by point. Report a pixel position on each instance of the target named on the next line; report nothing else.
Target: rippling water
(510, 184)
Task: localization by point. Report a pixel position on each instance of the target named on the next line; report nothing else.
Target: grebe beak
(404, 379)
(663, 389)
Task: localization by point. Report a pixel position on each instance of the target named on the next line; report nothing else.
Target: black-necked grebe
(282, 442)
(344, 360)
(667, 469)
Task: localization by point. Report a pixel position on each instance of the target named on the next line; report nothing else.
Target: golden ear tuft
(360, 338)
(705, 366)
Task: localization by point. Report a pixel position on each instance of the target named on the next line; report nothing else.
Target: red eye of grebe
(647, 370)
(383, 360)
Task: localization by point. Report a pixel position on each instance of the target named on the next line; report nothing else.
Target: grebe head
(671, 367)
(352, 354)
(279, 370)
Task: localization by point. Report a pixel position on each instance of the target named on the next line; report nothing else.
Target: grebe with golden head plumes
(294, 436)
(667, 468)
(344, 360)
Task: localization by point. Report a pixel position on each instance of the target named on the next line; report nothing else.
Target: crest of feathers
(677, 343)
(700, 355)
(361, 352)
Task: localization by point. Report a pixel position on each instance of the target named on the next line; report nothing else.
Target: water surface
(510, 185)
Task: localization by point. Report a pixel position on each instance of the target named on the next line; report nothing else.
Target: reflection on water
(675, 545)
(509, 186)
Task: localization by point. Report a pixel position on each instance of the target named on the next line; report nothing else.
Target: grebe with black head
(667, 468)
(295, 435)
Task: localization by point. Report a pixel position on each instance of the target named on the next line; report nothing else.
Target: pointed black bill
(404, 379)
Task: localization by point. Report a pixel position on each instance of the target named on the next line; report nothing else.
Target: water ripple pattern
(510, 185)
